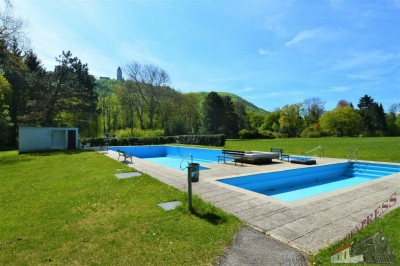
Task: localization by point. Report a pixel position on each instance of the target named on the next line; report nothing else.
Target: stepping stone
(128, 175)
(170, 205)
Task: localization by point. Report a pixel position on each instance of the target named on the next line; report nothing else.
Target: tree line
(144, 104)
(32, 96)
(137, 104)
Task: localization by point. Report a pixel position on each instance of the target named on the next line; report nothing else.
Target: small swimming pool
(172, 156)
(292, 185)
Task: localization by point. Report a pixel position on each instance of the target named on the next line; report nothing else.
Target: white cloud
(246, 89)
(273, 24)
(364, 59)
(335, 3)
(224, 79)
(304, 35)
(261, 51)
(340, 88)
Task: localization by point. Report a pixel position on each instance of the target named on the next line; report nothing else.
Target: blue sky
(271, 52)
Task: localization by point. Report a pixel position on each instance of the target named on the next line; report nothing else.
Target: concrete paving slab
(251, 247)
(128, 175)
(169, 205)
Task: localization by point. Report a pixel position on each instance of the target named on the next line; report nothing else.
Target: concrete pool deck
(308, 224)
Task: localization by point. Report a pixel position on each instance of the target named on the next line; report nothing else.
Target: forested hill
(249, 106)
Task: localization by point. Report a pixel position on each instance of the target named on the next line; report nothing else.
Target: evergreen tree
(15, 71)
(69, 95)
(372, 115)
(213, 110)
(230, 119)
(366, 111)
(380, 123)
(243, 118)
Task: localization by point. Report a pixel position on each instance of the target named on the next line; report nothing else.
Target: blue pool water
(172, 156)
(297, 184)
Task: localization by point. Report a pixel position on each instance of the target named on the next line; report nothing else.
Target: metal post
(190, 186)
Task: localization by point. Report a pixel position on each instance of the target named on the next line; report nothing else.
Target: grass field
(68, 208)
(373, 149)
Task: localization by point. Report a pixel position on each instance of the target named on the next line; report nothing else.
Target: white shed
(47, 138)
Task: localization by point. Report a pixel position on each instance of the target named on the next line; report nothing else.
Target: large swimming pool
(172, 156)
(292, 185)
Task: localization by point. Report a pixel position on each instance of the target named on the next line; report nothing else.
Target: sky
(271, 52)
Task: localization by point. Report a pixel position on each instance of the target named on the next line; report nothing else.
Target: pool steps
(277, 181)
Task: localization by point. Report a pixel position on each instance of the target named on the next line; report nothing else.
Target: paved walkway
(251, 247)
(307, 224)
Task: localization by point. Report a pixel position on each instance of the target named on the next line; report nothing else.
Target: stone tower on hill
(119, 74)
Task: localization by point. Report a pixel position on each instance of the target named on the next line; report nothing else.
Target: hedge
(206, 140)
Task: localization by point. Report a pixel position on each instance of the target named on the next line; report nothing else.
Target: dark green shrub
(207, 140)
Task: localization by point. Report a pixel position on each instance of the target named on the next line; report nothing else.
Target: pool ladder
(191, 158)
(352, 155)
(316, 148)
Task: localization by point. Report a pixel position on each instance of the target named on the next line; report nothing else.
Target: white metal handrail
(351, 156)
(191, 156)
(316, 148)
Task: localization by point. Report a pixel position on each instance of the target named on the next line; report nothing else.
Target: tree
(312, 110)
(170, 105)
(365, 109)
(291, 120)
(343, 103)
(191, 112)
(372, 115)
(68, 95)
(379, 118)
(342, 121)
(5, 119)
(213, 109)
(256, 120)
(393, 120)
(34, 64)
(271, 121)
(107, 104)
(16, 72)
(230, 118)
(243, 118)
(148, 80)
(11, 28)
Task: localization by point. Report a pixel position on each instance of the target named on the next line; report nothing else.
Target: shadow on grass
(11, 160)
(210, 217)
(57, 152)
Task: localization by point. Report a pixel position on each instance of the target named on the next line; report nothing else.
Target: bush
(207, 140)
(138, 133)
(266, 134)
(255, 134)
(309, 132)
(247, 134)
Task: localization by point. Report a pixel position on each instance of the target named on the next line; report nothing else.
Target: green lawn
(69, 208)
(385, 149)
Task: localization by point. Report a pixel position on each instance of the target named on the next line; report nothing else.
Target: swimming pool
(172, 156)
(292, 185)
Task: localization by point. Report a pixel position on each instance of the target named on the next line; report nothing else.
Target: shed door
(71, 139)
